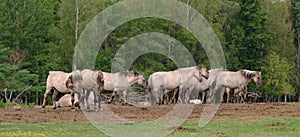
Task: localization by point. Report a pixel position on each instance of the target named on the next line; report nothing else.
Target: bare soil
(36, 115)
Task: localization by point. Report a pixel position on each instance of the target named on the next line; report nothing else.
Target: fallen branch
(23, 91)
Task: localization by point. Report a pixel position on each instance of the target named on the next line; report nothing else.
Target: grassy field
(231, 126)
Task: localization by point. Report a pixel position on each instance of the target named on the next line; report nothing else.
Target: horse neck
(132, 80)
(247, 80)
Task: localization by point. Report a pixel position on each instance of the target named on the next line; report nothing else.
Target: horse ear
(259, 73)
(70, 78)
(135, 73)
(201, 67)
(69, 81)
(243, 73)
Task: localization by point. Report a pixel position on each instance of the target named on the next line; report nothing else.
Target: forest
(38, 36)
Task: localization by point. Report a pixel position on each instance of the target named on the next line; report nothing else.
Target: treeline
(40, 35)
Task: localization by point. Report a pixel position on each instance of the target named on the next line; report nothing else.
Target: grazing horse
(202, 86)
(120, 81)
(93, 81)
(159, 82)
(195, 85)
(59, 81)
(235, 80)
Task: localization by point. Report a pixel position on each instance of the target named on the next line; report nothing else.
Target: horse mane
(125, 73)
(200, 67)
(100, 77)
(247, 73)
(75, 75)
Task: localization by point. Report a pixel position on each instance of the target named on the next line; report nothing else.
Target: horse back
(58, 80)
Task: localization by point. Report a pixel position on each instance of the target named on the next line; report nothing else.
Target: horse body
(194, 85)
(65, 101)
(93, 81)
(160, 82)
(120, 81)
(59, 81)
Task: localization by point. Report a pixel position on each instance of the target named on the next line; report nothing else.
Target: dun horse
(59, 81)
(160, 82)
(119, 82)
(93, 81)
(234, 80)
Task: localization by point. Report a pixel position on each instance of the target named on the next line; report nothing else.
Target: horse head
(203, 71)
(76, 81)
(255, 75)
(100, 80)
(141, 80)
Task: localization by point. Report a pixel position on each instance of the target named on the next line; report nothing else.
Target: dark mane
(248, 74)
(125, 73)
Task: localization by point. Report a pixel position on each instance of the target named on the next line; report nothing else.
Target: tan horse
(197, 86)
(65, 101)
(93, 81)
(159, 82)
(233, 80)
(59, 81)
(119, 82)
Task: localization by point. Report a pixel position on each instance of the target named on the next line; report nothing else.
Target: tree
(252, 19)
(14, 81)
(277, 73)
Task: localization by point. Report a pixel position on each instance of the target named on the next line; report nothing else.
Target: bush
(2, 104)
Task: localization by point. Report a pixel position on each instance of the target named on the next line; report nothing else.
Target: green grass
(245, 127)
(231, 126)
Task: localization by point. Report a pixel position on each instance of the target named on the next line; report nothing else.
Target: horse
(93, 81)
(159, 82)
(59, 81)
(65, 101)
(233, 80)
(120, 81)
(195, 85)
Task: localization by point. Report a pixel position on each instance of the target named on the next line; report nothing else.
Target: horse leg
(222, 94)
(87, 95)
(72, 100)
(47, 92)
(99, 100)
(228, 94)
(203, 97)
(175, 96)
(84, 94)
(180, 96)
(54, 98)
(125, 96)
(112, 96)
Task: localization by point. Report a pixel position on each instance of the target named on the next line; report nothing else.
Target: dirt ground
(36, 115)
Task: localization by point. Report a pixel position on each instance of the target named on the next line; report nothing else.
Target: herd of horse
(170, 86)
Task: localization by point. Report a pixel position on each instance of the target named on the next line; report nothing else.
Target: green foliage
(39, 36)
(252, 19)
(2, 104)
(277, 75)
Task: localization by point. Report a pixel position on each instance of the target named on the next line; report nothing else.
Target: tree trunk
(285, 98)
(76, 33)
(298, 56)
(37, 98)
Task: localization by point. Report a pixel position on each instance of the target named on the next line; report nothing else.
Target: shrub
(2, 104)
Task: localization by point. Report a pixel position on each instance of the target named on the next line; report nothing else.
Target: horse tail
(150, 86)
